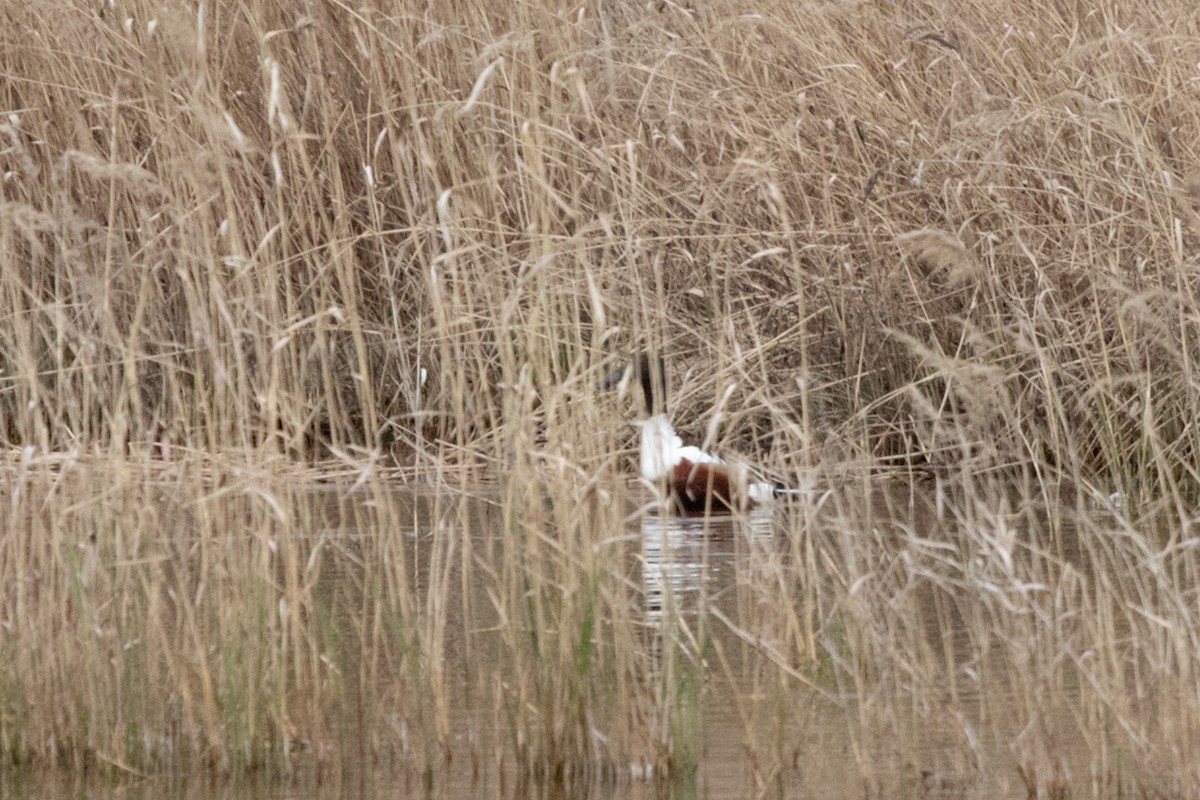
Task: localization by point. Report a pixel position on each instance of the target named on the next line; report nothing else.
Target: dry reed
(254, 255)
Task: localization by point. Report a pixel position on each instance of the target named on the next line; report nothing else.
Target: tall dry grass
(953, 241)
(251, 226)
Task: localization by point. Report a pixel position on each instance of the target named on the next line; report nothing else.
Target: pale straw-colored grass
(265, 264)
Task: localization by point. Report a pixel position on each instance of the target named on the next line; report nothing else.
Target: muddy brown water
(758, 733)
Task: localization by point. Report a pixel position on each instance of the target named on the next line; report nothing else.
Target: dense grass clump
(923, 232)
(249, 248)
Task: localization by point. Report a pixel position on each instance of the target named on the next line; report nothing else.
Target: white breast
(662, 449)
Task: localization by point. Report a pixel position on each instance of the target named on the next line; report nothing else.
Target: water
(786, 653)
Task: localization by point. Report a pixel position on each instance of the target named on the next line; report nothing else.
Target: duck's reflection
(689, 561)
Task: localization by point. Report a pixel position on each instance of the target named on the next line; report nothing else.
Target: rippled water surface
(755, 720)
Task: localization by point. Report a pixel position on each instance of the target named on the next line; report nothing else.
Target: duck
(695, 482)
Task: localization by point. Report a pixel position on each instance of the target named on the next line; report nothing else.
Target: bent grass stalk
(284, 297)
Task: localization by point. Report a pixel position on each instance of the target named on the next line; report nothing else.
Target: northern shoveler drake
(695, 482)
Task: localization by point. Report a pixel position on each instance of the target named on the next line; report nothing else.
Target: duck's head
(650, 371)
